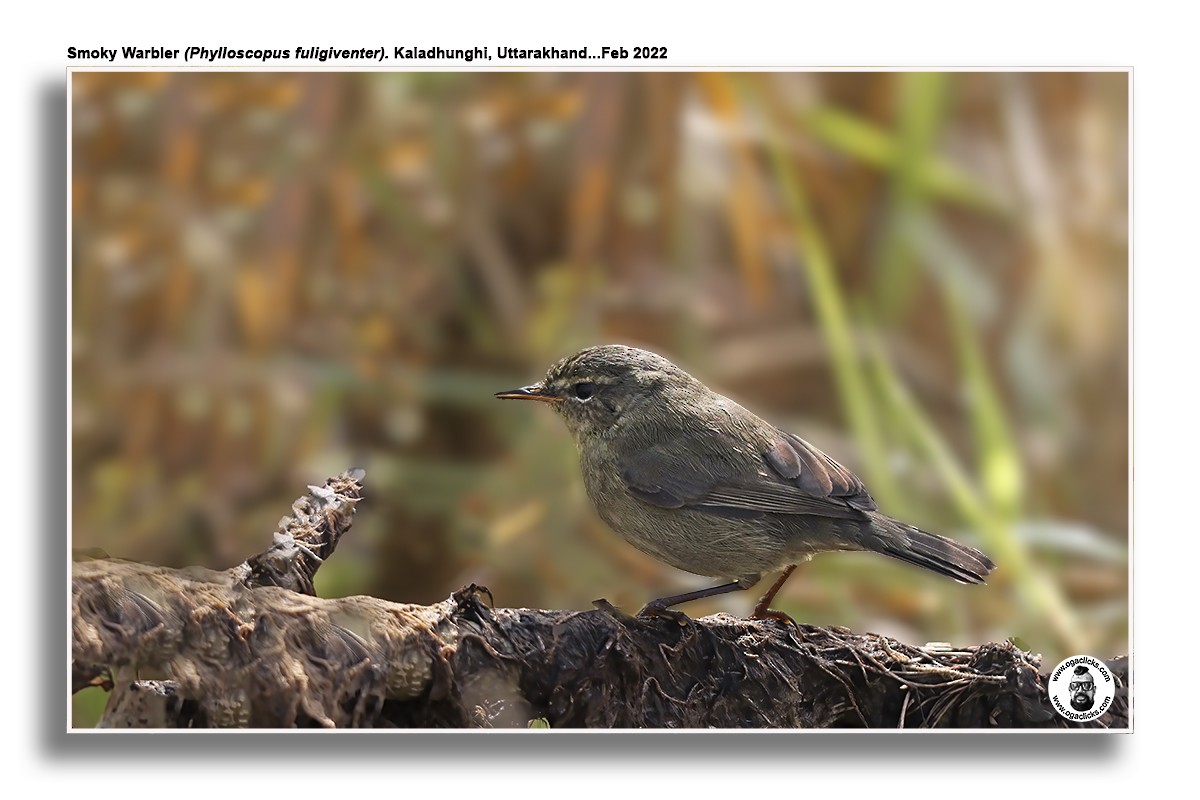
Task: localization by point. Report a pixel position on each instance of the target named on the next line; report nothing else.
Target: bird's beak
(534, 392)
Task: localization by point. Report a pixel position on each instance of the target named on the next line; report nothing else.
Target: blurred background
(277, 276)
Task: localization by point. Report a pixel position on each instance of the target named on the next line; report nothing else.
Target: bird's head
(597, 387)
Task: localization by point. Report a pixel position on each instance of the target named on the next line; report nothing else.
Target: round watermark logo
(1081, 688)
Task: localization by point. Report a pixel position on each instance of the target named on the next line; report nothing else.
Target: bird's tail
(945, 556)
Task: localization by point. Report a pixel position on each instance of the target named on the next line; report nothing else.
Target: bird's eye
(584, 390)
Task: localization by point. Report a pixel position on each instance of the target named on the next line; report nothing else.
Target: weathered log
(252, 647)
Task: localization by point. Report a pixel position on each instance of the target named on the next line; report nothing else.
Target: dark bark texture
(252, 647)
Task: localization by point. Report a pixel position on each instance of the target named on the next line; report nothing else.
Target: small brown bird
(695, 480)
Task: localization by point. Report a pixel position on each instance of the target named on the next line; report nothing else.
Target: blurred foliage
(279, 275)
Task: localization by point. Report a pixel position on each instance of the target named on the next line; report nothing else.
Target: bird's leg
(661, 606)
(762, 609)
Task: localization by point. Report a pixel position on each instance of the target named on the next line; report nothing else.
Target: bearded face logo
(1083, 689)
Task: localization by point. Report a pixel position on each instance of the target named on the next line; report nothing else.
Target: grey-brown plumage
(695, 480)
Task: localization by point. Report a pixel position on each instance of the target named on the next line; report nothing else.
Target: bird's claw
(651, 610)
(613, 611)
(771, 613)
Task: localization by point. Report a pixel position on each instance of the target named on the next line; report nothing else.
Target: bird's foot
(613, 611)
(652, 609)
(771, 613)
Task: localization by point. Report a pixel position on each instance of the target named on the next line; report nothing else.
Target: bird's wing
(789, 477)
(802, 465)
